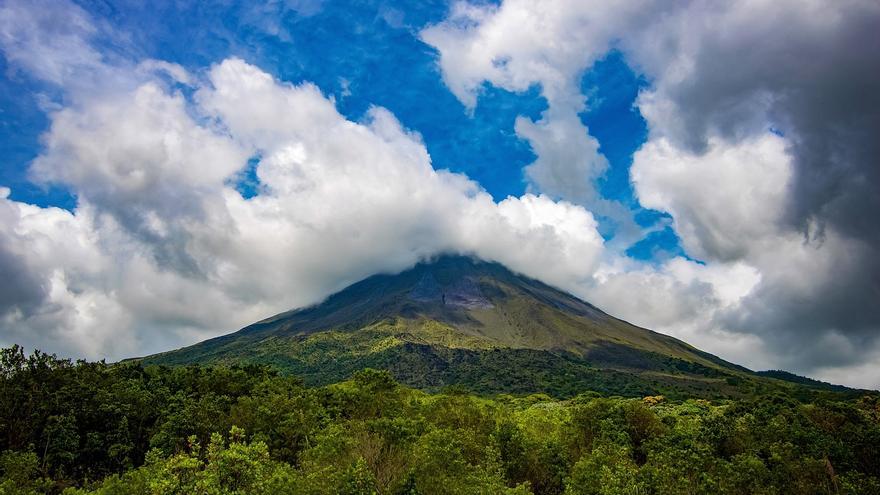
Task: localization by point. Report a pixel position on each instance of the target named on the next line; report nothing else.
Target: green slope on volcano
(461, 321)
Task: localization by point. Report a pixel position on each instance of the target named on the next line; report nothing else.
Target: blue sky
(363, 54)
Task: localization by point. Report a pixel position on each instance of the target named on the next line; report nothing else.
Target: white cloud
(723, 201)
(172, 253)
(61, 302)
(568, 159)
(49, 40)
(521, 43)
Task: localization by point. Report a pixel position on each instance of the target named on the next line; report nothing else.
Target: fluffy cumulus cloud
(762, 118)
(162, 249)
(35, 37)
(768, 171)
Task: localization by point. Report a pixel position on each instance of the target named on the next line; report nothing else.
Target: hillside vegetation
(94, 428)
(461, 321)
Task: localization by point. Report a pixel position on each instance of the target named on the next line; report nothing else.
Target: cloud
(515, 46)
(519, 43)
(770, 163)
(762, 119)
(723, 202)
(139, 158)
(58, 271)
(728, 206)
(162, 250)
(49, 40)
(813, 81)
(22, 290)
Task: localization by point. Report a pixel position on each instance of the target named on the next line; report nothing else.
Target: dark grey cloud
(21, 289)
(835, 322)
(815, 80)
(809, 71)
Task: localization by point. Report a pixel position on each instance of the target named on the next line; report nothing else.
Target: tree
(607, 470)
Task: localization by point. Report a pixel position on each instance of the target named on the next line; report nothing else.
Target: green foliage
(21, 474)
(607, 470)
(455, 462)
(92, 428)
(237, 468)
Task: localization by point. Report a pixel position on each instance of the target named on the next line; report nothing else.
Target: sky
(173, 171)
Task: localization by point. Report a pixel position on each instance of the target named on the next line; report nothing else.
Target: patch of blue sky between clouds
(23, 119)
(246, 182)
(611, 88)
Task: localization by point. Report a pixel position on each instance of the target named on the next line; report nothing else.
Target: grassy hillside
(430, 355)
(460, 321)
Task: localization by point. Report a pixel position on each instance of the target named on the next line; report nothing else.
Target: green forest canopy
(88, 427)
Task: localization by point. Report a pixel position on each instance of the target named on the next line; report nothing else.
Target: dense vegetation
(331, 356)
(432, 356)
(119, 429)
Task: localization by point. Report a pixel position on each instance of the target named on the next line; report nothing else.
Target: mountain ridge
(458, 320)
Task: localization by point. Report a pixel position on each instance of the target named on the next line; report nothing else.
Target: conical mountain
(460, 321)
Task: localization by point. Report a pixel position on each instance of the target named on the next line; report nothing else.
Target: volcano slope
(458, 321)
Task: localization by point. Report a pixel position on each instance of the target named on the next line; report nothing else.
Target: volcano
(459, 321)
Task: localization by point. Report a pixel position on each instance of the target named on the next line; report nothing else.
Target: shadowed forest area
(85, 427)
